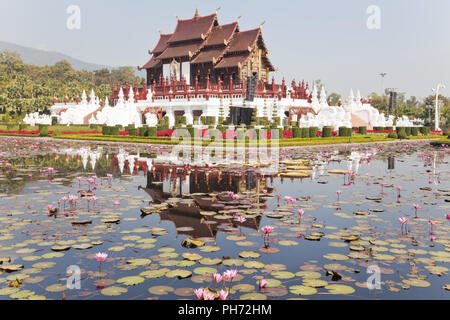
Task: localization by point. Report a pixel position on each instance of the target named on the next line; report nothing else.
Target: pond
(336, 214)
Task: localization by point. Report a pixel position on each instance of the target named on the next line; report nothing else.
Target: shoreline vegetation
(293, 142)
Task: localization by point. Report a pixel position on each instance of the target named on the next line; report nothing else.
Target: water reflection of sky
(24, 224)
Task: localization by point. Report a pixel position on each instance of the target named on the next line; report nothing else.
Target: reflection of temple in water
(204, 189)
(176, 181)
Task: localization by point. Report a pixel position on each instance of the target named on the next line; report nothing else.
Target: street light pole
(382, 75)
(437, 113)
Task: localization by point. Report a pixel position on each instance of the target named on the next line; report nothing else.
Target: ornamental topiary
(297, 132)
(313, 132)
(326, 132)
(392, 135)
(402, 134)
(305, 133)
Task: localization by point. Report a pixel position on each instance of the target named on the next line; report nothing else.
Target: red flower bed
(384, 131)
(167, 133)
(84, 132)
(287, 134)
(20, 132)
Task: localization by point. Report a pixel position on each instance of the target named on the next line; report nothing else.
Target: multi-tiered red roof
(213, 51)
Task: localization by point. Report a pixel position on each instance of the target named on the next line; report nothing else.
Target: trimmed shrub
(414, 131)
(54, 121)
(152, 132)
(313, 132)
(362, 130)
(343, 132)
(133, 132)
(43, 130)
(402, 134)
(143, 131)
(425, 131)
(326, 132)
(297, 132)
(393, 135)
(305, 133)
(408, 131)
(389, 128)
(114, 131)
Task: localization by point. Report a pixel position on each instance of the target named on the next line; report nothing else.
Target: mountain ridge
(41, 57)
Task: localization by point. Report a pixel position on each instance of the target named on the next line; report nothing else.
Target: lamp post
(382, 75)
(437, 113)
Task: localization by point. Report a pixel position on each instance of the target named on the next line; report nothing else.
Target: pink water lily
(199, 293)
(416, 207)
(217, 278)
(267, 230)
(404, 222)
(223, 295)
(448, 216)
(230, 275)
(301, 212)
(289, 199)
(241, 219)
(117, 203)
(208, 296)
(236, 197)
(101, 257)
(262, 284)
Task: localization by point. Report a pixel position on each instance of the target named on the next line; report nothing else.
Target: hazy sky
(316, 39)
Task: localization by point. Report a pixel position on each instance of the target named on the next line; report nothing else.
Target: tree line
(26, 88)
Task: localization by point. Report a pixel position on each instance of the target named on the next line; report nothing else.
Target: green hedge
(305, 133)
(313, 132)
(43, 130)
(402, 133)
(152, 132)
(414, 131)
(326, 132)
(143, 131)
(408, 131)
(393, 135)
(425, 131)
(133, 132)
(362, 130)
(343, 132)
(297, 132)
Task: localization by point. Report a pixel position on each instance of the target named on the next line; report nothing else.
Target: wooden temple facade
(201, 50)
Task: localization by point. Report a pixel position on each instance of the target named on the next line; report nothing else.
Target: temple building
(206, 71)
(201, 48)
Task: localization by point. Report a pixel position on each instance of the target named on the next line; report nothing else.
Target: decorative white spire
(92, 97)
(323, 96)
(358, 96)
(121, 96)
(106, 102)
(84, 97)
(131, 95)
(351, 97)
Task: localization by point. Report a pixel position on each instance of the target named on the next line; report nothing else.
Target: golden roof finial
(262, 23)
(196, 13)
(238, 18)
(218, 9)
